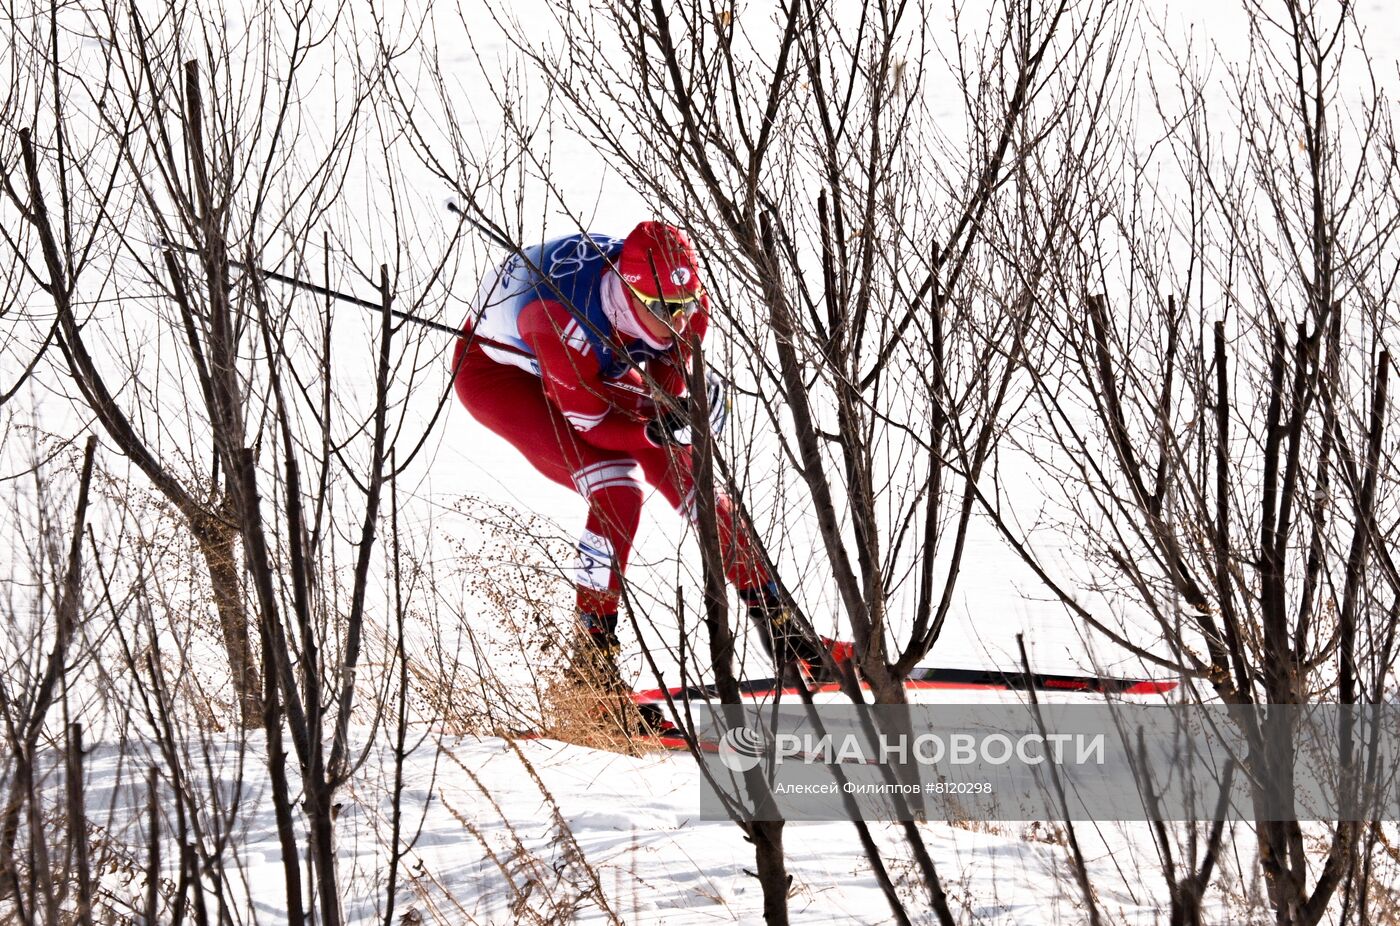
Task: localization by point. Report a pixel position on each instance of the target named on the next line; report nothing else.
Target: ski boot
(604, 711)
(596, 649)
(786, 639)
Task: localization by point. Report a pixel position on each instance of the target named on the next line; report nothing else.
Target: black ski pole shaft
(496, 237)
(320, 290)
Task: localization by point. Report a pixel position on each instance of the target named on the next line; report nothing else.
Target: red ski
(652, 703)
(946, 679)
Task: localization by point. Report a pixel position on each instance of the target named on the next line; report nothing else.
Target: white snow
(506, 833)
(485, 817)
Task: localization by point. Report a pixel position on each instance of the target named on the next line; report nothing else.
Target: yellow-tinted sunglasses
(666, 309)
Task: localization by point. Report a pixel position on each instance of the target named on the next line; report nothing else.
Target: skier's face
(661, 320)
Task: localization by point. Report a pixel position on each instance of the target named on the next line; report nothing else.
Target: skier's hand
(670, 428)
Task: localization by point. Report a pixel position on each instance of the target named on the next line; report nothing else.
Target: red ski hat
(659, 254)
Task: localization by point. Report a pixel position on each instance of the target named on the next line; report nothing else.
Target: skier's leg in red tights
(670, 471)
(511, 402)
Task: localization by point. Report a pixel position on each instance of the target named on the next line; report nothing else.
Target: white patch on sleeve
(576, 339)
(595, 562)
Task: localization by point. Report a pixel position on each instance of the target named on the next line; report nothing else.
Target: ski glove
(671, 427)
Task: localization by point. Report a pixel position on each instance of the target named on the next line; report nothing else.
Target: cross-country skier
(561, 353)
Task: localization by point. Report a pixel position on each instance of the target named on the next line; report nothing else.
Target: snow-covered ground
(534, 831)
(543, 831)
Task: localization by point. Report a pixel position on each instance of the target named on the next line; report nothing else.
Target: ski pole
(320, 290)
(496, 238)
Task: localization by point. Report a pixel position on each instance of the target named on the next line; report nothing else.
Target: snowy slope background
(540, 830)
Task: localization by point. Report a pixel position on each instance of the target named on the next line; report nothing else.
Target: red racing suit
(564, 395)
